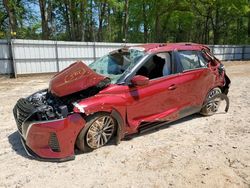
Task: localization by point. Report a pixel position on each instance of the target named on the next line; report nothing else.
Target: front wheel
(98, 131)
(211, 107)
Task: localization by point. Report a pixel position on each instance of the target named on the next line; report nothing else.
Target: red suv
(130, 90)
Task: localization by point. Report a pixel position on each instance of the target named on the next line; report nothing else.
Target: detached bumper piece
(52, 140)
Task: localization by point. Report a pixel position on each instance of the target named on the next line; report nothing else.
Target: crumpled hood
(74, 78)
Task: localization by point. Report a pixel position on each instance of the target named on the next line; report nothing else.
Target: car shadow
(16, 144)
(165, 126)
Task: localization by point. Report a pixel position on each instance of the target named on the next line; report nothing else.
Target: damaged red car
(130, 90)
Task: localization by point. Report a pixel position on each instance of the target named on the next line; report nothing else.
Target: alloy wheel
(100, 132)
(213, 105)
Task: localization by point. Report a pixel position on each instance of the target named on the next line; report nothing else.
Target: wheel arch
(120, 125)
(113, 104)
(120, 122)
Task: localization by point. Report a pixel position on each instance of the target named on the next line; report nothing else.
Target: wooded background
(137, 21)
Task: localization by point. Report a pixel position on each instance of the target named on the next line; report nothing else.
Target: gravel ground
(196, 151)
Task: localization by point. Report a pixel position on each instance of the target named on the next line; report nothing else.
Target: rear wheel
(211, 107)
(98, 131)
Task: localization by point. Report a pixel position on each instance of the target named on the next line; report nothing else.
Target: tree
(126, 17)
(12, 15)
(201, 21)
(3, 21)
(46, 17)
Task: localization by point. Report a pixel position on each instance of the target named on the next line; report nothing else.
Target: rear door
(195, 78)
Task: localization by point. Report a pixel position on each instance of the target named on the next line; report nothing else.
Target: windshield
(116, 63)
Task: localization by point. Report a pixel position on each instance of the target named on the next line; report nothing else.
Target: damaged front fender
(115, 106)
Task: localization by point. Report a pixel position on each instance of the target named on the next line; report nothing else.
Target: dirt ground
(193, 152)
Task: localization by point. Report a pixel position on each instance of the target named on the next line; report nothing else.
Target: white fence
(31, 56)
(5, 57)
(37, 56)
(231, 52)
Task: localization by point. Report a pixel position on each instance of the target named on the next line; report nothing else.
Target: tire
(99, 130)
(212, 107)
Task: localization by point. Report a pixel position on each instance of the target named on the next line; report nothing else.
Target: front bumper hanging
(52, 140)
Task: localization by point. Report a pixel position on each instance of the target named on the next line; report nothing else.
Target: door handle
(172, 87)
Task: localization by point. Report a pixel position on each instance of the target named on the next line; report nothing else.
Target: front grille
(53, 143)
(22, 110)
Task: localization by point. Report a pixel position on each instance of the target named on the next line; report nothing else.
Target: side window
(157, 66)
(191, 60)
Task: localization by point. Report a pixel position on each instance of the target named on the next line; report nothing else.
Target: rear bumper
(52, 140)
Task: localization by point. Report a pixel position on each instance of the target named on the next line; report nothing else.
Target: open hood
(74, 78)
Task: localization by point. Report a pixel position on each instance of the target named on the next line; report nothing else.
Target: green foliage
(201, 21)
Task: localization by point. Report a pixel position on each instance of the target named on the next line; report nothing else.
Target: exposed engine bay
(49, 106)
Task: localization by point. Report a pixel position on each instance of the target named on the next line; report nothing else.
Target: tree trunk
(126, 11)
(66, 18)
(215, 25)
(206, 29)
(109, 26)
(248, 26)
(157, 27)
(145, 22)
(91, 28)
(82, 20)
(72, 19)
(248, 29)
(102, 9)
(44, 11)
(12, 16)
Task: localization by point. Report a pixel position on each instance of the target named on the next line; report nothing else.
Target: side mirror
(140, 80)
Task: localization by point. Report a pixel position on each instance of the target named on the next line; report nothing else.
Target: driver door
(159, 99)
